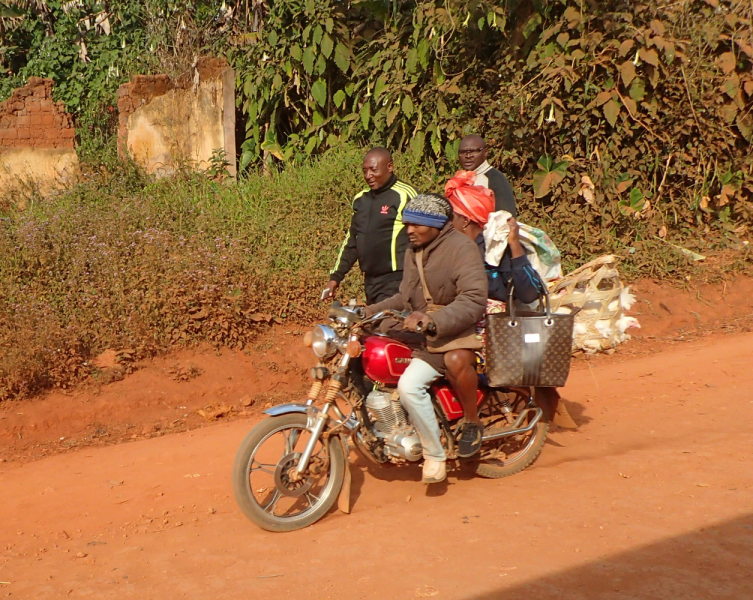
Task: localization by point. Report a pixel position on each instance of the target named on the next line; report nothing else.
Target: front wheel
(262, 482)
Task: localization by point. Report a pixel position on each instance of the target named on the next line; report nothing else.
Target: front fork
(320, 422)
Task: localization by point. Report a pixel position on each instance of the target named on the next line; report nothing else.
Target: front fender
(286, 409)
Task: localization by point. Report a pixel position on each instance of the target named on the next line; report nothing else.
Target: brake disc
(286, 485)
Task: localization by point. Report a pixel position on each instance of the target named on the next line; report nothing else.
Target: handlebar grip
(431, 329)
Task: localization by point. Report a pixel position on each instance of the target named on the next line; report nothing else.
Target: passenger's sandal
(470, 440)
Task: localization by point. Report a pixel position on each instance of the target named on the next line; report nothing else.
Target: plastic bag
(539, 248)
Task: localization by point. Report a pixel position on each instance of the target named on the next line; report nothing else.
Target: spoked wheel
(512, 454)
(265, 481)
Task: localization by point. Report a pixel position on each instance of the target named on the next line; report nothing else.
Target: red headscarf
(474, 202)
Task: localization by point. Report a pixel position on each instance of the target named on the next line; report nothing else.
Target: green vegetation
(622, 126)
(123, 261)
(603, 114)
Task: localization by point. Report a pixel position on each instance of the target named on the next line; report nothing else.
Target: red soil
(650, 498)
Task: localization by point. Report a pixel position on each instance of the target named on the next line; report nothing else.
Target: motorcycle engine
(391, 423)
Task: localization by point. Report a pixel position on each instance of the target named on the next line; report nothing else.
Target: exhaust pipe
(500, 432)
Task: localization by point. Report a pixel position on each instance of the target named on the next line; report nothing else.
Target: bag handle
(420, 266)
(510, 308)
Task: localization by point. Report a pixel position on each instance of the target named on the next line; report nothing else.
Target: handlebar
(398, 315)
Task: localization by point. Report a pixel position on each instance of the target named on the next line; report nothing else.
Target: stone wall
(166, 124)
(36, 137)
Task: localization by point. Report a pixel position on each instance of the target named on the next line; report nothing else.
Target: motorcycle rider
(376, 237)
(456, 282)
(470, 214)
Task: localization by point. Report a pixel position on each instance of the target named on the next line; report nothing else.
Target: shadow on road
(412, 472)
(577, 411)
(713, 562)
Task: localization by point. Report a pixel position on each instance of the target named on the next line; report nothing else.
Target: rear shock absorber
(507, 410)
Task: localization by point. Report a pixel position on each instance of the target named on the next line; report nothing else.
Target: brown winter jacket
(456, 280)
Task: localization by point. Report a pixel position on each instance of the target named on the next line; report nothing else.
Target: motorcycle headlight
(323, 341)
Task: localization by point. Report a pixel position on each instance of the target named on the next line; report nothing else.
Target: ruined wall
(36, 137)
(166, 124)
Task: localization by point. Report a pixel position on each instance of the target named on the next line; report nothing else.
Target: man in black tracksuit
(376, 238)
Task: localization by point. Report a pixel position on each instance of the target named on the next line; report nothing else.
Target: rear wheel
(264, 478)
(510, 455)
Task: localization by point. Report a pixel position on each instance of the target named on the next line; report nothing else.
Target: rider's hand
(417, 321)
(329, 290)
(513, 238)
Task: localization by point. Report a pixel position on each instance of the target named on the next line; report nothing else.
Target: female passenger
(471, 208)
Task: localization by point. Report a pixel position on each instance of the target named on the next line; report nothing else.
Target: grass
(124, 261)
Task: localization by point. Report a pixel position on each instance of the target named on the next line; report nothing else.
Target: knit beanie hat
(432, 210)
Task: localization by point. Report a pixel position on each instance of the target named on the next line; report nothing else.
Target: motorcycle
(292, 467)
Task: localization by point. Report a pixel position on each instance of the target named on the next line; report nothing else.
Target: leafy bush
(122, 261)
(632, 127)
(319, 73)
(133, 263)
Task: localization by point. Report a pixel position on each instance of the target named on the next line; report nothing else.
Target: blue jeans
(413, 388)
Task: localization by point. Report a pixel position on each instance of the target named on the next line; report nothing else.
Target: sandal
(470, 440)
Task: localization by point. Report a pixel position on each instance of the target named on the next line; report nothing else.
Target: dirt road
(652, 497)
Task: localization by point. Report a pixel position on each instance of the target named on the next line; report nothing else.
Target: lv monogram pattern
(511, 361)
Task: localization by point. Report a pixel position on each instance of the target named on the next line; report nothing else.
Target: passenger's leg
(461, 373)
(413, 389)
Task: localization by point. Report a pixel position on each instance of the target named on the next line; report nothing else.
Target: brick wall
(30, 119)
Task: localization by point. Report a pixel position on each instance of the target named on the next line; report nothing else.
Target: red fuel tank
(385, 359)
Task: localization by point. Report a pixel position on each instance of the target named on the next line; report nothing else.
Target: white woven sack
(596, 289)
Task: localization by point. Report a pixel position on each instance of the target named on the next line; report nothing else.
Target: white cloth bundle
(539, 248)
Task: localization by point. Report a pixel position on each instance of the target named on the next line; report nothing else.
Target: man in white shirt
(472, 156)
